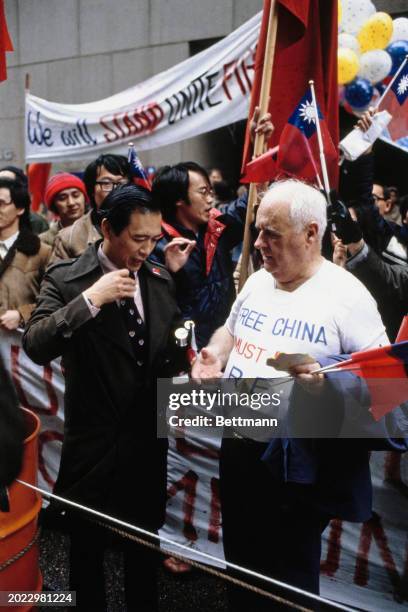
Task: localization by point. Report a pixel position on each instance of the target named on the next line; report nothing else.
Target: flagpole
(259, 138)
(391, 83)
(320, 141)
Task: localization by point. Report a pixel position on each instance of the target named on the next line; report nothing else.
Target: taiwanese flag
(385, 372)
(5, 42)
(306, 48)
(137, 170)
(262, 168)
(395, 102)
(298, 153)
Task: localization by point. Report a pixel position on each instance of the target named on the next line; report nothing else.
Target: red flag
(5, 42)
(403, 330)
(385, 371)
(37, 180)
(306, 48)
(261, 169)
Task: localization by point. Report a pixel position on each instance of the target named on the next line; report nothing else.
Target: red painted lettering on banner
(371, 528)
(52, 407)
(331, 564)
(187, 449)
(140, 121)
(392, 467)
(188, 484)
(214, 527)
(44, 438)
(248, 350)
(237, 71)
(15, 373)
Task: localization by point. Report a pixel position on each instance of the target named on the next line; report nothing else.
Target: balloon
(348, 65)
(400, 31)
(359, 93)
(398, 50)
(375, 65)
(348, 41)
(376, 32)
(354, 14)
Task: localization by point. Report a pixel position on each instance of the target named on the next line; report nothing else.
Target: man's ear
(311, 232)
(106, 229)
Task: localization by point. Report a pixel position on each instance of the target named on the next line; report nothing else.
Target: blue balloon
(398, 50)
(359, 92)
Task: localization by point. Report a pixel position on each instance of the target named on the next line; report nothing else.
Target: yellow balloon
(376, 32)
(348, 65)
(340, 12)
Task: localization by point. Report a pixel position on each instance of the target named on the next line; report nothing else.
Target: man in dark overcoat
(111, 314)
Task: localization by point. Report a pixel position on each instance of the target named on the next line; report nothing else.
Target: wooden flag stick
(259, 138)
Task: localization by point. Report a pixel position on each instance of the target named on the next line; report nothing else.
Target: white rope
(144, 532)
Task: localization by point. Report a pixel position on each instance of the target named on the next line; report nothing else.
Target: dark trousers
(88, 544)
(266, 528)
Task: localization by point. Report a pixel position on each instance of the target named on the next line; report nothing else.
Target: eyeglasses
(206, 192)
(376, 197)
(3, 204)
(109, 185)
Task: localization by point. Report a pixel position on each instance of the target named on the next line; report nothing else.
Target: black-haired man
(198, 239)
(100, 177)
(110, 313)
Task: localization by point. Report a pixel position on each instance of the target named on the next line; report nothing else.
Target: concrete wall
(83, 50)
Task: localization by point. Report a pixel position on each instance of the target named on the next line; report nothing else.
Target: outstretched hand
(207, 365)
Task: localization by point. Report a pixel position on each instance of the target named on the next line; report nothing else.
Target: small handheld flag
(137, 170)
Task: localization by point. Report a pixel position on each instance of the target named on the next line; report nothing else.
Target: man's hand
(339, 252)
(111, 287)
(312, 383)
(177, 253)
(365, 120)
(261, 125)
(207, 365)
(10, 320)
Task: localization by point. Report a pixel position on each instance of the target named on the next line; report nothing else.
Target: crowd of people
(120, 268)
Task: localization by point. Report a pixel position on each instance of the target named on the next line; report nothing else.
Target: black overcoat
(111, 458)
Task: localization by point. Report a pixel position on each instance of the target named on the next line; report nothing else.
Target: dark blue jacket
(336, 468)
(204, 286)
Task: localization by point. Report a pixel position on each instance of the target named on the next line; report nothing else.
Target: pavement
(192, 592)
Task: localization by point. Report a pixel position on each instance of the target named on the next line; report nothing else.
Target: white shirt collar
(10, 241)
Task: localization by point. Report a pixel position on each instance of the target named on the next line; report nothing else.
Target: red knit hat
(61, 181)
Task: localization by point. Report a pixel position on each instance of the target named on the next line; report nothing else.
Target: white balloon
(355, 13)
(375, 65)
(348, 41)
(400, 31)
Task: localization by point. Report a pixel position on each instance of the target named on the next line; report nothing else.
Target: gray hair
(306, 203)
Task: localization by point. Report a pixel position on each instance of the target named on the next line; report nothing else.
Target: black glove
(342, 224)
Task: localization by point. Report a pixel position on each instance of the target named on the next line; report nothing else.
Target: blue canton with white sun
(304, 117)
(400, 86)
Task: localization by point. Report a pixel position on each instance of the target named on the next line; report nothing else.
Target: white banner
(365, 566)
(202, 93)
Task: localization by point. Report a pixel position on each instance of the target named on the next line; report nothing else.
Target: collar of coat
(27, 243)
(212, 234)
(89, 261)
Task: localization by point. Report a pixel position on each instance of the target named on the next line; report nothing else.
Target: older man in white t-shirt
(298, 303)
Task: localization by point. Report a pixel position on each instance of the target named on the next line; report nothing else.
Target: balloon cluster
(371, 48)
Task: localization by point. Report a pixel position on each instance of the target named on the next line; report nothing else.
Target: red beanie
(61, 181)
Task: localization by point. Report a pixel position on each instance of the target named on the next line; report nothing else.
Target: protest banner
(202, 93)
